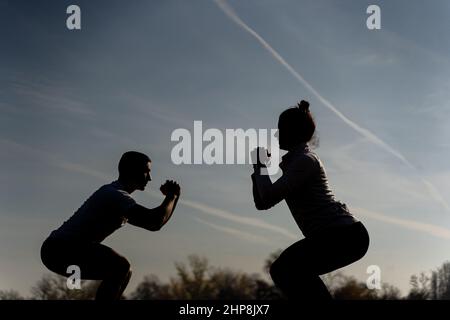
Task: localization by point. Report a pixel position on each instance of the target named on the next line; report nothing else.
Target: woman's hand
(260, 158)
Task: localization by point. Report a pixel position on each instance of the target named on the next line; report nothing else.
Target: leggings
(296, 271)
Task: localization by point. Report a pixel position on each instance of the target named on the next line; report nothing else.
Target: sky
(72, 101)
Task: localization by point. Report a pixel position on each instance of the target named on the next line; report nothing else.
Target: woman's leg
(296, 272)
(339, 247)
(96, 262)
(293, 274)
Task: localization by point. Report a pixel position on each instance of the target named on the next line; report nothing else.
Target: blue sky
(71, 102)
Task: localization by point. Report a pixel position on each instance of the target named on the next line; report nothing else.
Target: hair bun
(303, 105)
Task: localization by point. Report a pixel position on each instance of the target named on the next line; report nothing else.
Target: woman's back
(311, 200)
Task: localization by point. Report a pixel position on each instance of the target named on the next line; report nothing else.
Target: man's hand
(170, 188)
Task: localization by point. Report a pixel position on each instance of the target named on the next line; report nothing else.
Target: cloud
(358, 165)
(50, 97)
(436, 231)
(253, 222)
(155, 110)
(223, 5)
(236, 233)
(51, 159)
(376, 59)
(73, 167)
(119, 139)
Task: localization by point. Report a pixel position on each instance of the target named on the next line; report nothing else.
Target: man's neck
(128, 187)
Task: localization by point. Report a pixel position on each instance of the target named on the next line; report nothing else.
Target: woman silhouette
(333, 237)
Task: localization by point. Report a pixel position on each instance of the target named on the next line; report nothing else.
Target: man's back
(99, 216)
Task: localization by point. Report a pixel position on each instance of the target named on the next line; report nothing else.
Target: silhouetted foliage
(10, 295)
(196, 279)
(420, 287)
(352, 289)
(151, 288)
(435, 286)
(54, 287)
(272, 257)
(343, 287)
(389, 292)
(440, 282)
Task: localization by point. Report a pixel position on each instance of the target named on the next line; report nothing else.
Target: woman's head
(295, 126)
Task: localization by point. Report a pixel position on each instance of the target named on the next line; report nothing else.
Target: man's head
(134, 170)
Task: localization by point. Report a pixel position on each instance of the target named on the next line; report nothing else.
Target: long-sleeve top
(304, 186)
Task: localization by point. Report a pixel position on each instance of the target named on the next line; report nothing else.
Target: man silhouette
(78, 240)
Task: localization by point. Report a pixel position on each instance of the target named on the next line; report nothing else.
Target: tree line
(196, 279)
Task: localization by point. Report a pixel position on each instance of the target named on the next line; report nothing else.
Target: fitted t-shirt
(304, 186)
(100, 215)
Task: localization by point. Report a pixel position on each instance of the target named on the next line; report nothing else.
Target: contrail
(434, 230)
(230, 216)
(223, 5)
(239, 219)
(236, 233)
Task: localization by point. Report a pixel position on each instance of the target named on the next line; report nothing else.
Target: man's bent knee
(121, 266)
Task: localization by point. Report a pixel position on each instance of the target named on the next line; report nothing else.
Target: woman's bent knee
(277, 270)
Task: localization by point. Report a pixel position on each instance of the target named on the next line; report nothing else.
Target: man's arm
(152, 219)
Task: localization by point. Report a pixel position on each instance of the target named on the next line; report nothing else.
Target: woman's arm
(259, 204)
(267, 194)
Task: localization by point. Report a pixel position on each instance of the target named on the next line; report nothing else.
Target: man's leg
(115, 280)
(96, 262)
